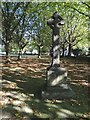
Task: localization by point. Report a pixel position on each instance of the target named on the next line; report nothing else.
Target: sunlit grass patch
(24, 80)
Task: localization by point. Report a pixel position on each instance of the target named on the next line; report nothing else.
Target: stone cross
(56, 77)
(54, 23)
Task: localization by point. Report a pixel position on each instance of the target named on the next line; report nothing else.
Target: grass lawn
(22, 83)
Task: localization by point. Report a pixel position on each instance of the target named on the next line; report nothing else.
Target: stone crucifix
(54, 23)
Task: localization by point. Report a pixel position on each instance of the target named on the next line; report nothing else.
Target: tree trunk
(7, 47)
(19, 55)
(89, 51)
(20, 51)
(39, 51)
(69, 50)
(63, 49)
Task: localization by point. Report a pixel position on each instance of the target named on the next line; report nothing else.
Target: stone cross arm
(55, 20)
(54, 23)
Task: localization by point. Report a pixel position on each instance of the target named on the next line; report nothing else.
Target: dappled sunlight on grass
(24, 80)
(81, 82)
(15, 101)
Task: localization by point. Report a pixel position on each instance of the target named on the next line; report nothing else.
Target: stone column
(55, 23)
(56, 76)
(56, 48)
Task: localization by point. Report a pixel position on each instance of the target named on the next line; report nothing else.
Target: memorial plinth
(56, 77)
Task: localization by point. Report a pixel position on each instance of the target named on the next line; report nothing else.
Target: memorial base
(57, 93)
(56, 76)
(57, 87)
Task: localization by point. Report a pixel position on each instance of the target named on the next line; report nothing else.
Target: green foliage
(29, 21)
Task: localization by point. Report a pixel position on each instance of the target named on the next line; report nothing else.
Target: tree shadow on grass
(22, 97)
(26, 84)
(24, 104)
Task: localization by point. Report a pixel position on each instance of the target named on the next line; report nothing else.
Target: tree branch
(20, 18)
(76, 42)
(24, 45)
(87, 15)
(85, 3)
(81, 12)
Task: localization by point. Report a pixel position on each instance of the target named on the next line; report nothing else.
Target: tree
(21, 29)
(72, 32)
(8, 18)
(10, 22)
(27, 22)
(80, 7)
(38, 33)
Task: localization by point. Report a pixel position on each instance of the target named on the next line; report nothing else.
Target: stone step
(62, 92)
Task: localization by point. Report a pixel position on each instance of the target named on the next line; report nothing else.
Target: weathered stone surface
(54, 23)
(56, 93)
(56, 76)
